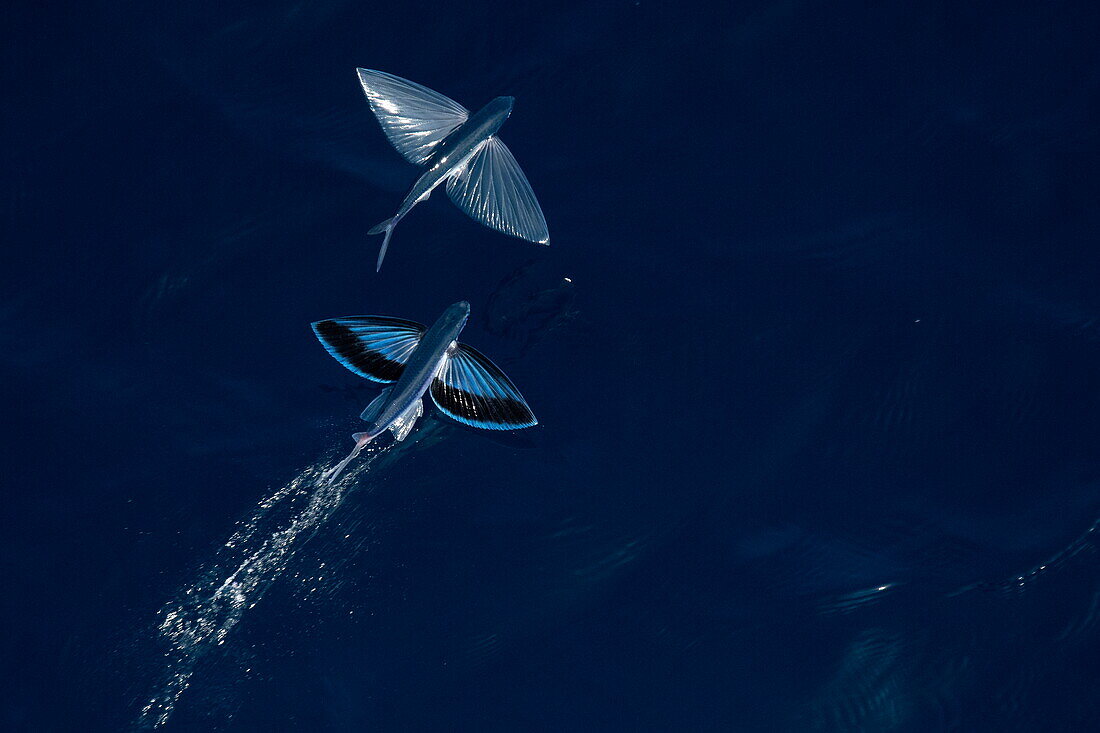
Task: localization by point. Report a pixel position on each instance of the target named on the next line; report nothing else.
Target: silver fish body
(456, 147)
(456, 150)
(420, 369)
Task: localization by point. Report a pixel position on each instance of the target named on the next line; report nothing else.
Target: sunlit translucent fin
(403, 425)
(361, 440)
(375, 347)
(371, 412)
(414, 118)
(493, 190)
(474, 391)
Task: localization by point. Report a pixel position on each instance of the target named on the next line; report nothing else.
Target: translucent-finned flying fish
(433, 131)
(413, 359)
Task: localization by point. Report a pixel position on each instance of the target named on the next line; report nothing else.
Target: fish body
(414, 360)
(456, 147)
(455, 151)
(420, 369)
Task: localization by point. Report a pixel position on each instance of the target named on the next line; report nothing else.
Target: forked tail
(361, 440)
(387, 227)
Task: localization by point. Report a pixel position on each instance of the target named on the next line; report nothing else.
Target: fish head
(455, 316)
(503, 105)
(498, 110)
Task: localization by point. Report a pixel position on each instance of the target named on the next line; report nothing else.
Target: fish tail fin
(379, 228)
(361, 440)
(387, 227)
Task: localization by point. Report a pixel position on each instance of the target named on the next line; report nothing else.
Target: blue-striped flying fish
(412, 360)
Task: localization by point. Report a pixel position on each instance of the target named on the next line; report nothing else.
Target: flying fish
(457, 147)
(412, 360)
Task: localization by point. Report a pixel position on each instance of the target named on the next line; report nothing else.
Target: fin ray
(493, 190)
(414, 118)
(474, 391)
(374, 347)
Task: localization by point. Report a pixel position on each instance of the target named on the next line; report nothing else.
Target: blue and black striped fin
(472, 390)
(375, 347)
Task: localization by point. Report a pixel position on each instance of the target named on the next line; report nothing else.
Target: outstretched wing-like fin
(403, 425)
(474, 391)
(414, 118)
(492, 189)
(375, 347)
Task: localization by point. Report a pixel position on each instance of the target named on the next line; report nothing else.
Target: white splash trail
(201, 616)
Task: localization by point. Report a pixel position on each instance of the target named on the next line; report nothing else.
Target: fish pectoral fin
(403, 425)
(414, 118)
(474, 391)
(374, 409)
(492, 189)
(375, 347)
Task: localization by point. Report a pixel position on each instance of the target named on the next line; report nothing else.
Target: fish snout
(459, 313)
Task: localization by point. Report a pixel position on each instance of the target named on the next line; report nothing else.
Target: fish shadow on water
(527, 305)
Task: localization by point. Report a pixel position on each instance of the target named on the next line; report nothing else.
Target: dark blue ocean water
(818, 402)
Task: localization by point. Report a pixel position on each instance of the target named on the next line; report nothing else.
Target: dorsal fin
(370, 412)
